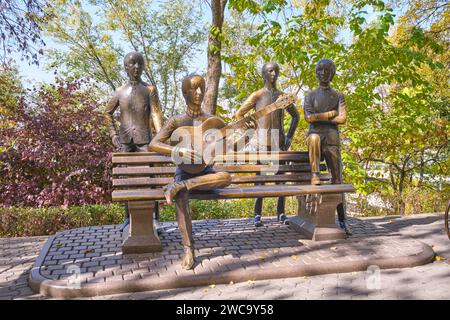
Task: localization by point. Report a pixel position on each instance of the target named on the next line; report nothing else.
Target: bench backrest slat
(229, 158)
(141, 160)
(241, 168)
(143, 182)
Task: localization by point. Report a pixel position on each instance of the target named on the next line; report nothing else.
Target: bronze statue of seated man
(193, 88)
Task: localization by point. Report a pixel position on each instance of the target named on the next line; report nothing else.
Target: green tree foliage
(398, 128)
(98, 34)
(11, 91)
(90, 50)
(168, 37)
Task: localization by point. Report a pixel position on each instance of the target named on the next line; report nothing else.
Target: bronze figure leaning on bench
(324, 110)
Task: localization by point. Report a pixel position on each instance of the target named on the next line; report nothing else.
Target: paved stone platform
(88, 261)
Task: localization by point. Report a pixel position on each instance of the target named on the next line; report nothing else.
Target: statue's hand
(250, 123)
(116, 141)
(332, 114)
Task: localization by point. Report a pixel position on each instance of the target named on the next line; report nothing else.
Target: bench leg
(140, 236)
(317, 217)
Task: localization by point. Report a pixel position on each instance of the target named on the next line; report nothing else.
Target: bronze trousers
(318, 148)
(281, 200)
(206, 180)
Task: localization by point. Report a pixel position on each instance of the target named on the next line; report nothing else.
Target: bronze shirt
(273, 121)
(323, 100)
(139, 105)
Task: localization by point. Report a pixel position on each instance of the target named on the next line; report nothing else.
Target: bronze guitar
(204, 138)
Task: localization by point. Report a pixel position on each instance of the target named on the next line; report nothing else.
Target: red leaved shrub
(58, 154)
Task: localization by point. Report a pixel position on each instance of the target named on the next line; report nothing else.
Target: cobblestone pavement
(431, 281)
(17, 256)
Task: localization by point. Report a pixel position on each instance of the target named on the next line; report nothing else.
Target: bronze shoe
(188, 259)
(315, 178)
(171, 190)
(257, 221)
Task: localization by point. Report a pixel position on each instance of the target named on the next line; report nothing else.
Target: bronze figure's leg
(257, 211)
(209, 181)
(313, 142)
(126, 147)
(159, 229)
(185, 225)
(204, 182)
(180, 191)
(172, 189)
(258, 206)
(281, 203)
(281, 215)
(332, 155)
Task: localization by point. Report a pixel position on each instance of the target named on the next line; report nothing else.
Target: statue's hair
(133, 53)
(264, 67)
(186, 83)
(328, 62)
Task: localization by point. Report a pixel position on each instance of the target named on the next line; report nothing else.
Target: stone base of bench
(140, 235)
(314, 232)
(316, 217)
(140, 244)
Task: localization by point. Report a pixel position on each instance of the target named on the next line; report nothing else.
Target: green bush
(227, 209)
(426, 200)
(23, 222)
(417, 200)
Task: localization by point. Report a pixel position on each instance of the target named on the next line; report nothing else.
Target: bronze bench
(138, 179)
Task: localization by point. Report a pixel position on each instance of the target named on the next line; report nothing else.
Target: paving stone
(372, 236)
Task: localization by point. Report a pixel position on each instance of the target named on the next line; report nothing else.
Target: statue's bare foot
(171, 190)
(315, 179)
(188, 260)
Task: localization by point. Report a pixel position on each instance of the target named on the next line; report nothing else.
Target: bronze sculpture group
(140, 114)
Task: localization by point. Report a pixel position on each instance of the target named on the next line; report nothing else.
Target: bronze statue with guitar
(192, 139)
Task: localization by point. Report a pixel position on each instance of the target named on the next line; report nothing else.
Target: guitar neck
(256, 115)
(267, 110)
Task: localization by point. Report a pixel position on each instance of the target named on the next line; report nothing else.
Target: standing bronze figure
(324, 110)
(193, 88)
(269, 124)
(140, 112)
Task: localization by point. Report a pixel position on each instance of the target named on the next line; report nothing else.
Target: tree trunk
(214, 71)
(401, 202)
